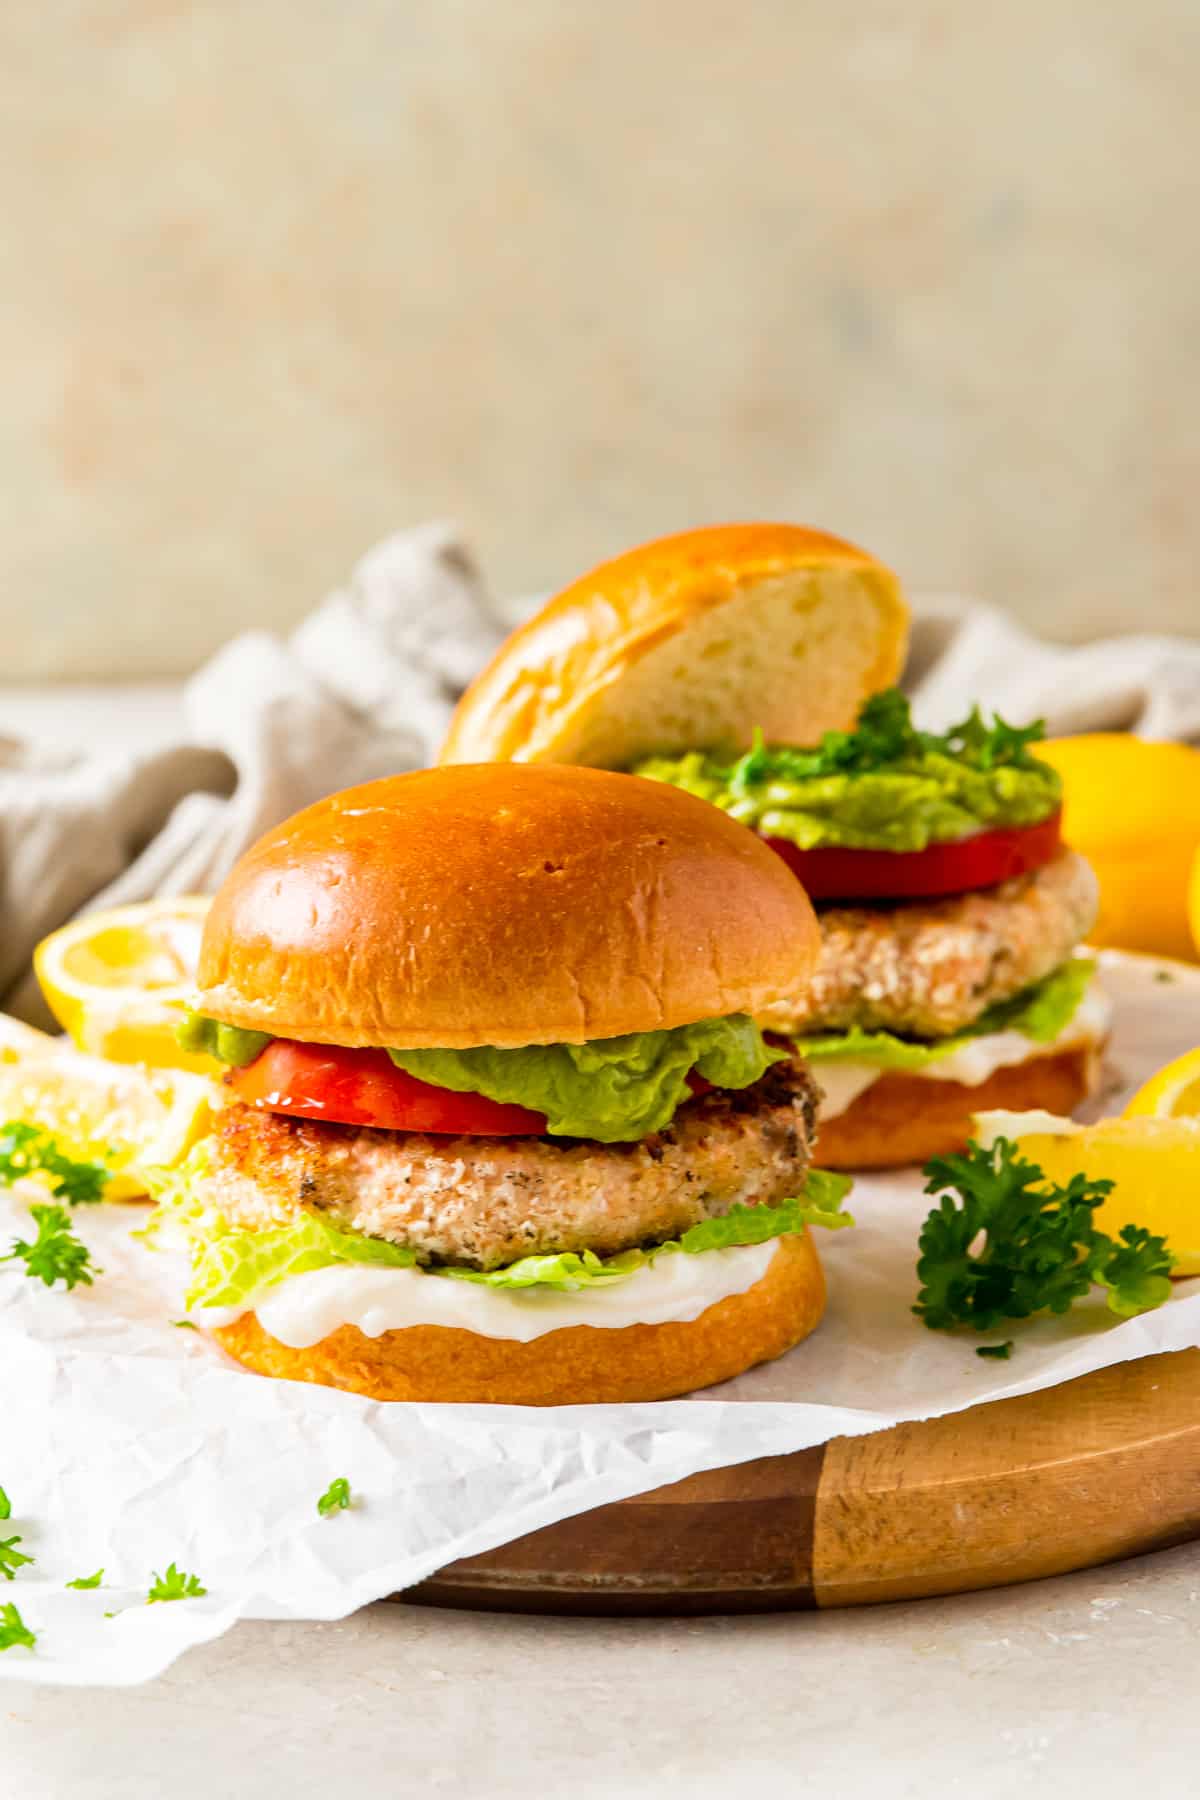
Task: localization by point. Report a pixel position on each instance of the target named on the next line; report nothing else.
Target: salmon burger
(753, 666)
(500, 1123)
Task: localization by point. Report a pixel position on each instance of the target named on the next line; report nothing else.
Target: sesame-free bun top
(501, 905)
(689, 643)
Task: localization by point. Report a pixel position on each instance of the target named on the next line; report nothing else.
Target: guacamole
(884, 786)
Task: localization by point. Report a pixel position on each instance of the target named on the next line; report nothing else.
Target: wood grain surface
(1102, 1467)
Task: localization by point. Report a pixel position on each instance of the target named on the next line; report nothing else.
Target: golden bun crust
(903, 1119)
(577, 1367)
(501, 905)
(690, 642)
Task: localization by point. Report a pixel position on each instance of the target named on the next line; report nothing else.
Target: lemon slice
(1174, 1093)
(1155, 1163)
(119, 981)
(133, 1119)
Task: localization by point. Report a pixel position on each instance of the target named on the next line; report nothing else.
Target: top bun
(501, 905)
(689, 643)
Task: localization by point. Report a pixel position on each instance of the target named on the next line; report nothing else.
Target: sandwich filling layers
(306, 1278)
(321, 1203)
(949, 909)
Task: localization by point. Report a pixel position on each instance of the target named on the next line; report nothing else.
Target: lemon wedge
(1174, 1093)
(1132, 807)
(119, 981)
(135, 1120)
(1154, 1162)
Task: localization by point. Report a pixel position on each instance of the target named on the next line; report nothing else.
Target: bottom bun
(582, 1365)
(902, 1119)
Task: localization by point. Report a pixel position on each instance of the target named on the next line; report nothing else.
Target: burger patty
(483, 1201)
(929, 968)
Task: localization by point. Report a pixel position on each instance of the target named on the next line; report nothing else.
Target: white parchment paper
(127, 1444)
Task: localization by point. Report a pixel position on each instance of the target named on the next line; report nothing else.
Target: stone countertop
(1081, 1684)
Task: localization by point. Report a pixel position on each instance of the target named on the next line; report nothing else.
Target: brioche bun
(902, 1119)
(584, 1365)
(688, 643)
(508, 906)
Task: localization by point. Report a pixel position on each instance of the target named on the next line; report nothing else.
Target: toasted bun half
(689, 643)
(577, 1367)
(902, 1119)
(507, 906)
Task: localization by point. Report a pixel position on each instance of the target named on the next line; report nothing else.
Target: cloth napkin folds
(365, 687)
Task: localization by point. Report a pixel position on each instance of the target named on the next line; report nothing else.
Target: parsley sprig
(56, 1254)
(14, 1631)
(30, 1150)
(87, 1581)
(1004, 1242)
(10, 1559)
(885, 737)
(336, 1497)
(174, 1585)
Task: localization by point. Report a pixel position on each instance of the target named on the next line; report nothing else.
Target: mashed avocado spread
(883, 786)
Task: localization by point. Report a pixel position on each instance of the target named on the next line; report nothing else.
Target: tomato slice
(975, 862)
(364, 1087)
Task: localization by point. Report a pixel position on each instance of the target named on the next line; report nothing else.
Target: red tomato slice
(975, 862)
(364, 1087)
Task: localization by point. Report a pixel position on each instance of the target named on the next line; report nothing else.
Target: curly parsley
(884, 738)
(27, 1150)
(1005, 1243)
(11, 1560)
(174, 1585)
(13, 1630)
(56, 1254)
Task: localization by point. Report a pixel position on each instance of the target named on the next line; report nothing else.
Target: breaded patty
(928, 968)
(484, 1201)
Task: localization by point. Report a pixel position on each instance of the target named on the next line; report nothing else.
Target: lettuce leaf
(819, 1203)
(231, 1266)
(1041, 1012)
(228, 1268)
(614, 1090)
(566, 1273)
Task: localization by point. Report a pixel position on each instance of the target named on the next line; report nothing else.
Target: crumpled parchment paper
(127, 1443)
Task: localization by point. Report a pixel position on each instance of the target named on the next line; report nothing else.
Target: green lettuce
(228, 1267)
(1041, 1012)
(613, 1090)
(231, 1266)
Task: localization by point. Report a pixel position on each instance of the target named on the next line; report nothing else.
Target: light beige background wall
(280, 275)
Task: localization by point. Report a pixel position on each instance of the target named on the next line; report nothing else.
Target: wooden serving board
(1099, 1468)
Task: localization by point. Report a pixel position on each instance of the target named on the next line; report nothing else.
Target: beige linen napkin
(365, 688)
